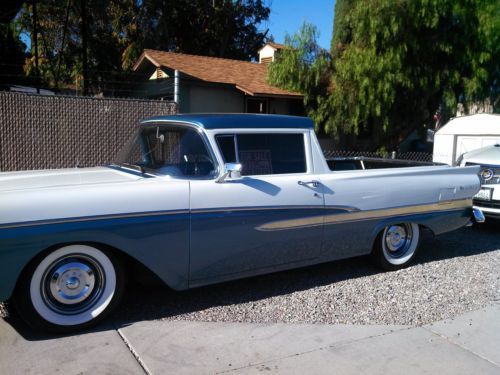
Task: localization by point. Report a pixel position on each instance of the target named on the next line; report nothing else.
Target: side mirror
(232, 171)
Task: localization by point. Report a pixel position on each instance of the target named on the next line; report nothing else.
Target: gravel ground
(3, 311)
(454, 273)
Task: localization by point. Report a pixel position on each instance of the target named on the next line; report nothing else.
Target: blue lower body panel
(161, 243)
(224, 246)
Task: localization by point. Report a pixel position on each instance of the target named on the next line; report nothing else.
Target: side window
(227, 147)
(175, 151)
(262, 154)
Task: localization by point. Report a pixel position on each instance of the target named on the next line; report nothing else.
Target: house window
(257, 105)
(263, 154)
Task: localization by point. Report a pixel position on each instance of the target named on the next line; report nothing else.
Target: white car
(488, 198)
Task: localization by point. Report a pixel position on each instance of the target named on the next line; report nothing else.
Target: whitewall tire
(396, 246)
(70, 288)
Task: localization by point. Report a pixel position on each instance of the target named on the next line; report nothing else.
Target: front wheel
(69, 289)
(396, 245)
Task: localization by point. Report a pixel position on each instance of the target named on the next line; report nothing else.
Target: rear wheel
(70, 288)
(396, 245)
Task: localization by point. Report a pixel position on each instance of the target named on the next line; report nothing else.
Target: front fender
(159, 242)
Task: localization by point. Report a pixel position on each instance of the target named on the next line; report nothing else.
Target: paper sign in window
(256, 162)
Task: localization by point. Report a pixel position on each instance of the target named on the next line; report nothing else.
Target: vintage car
(488, 198)
(201, 199)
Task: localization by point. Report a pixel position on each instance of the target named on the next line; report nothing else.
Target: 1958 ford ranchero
(200, 199)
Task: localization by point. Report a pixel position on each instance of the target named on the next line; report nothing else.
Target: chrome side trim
(398, 211)
(354, 216)
(347, 214)
(269, 208)
(162, 213)
(91, 218)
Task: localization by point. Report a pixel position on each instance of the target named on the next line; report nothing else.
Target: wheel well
(133, 268)
(423, 229)
(140, 272)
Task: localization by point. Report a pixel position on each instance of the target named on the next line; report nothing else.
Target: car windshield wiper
(135, 167)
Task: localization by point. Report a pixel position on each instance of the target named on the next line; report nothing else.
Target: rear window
(263, 154)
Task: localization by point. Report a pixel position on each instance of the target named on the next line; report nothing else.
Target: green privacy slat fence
(42, 132)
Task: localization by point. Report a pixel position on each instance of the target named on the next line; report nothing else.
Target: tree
(11, 48)
(404, 59)
(395, 63)
(61, 46)
(304, 67)
(218, 28)
(117, 31)
(341, 29)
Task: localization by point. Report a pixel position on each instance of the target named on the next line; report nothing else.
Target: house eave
(145, 56)
(269, 95)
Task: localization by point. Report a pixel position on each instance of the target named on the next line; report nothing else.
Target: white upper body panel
(46, 195)
(62, 178)
(69, 193)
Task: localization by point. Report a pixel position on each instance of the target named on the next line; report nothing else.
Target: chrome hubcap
(72, 284)
(397, 240)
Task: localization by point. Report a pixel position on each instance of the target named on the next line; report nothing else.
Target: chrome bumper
(478, 217)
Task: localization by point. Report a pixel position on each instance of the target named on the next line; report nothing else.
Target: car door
(269, 218)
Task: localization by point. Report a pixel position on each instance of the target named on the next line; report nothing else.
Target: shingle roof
(276, 45)
(246, 76)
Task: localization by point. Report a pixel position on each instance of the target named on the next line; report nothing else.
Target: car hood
(57, 178)
(489, 155)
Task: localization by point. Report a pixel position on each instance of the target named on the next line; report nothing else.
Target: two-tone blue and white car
(201, 199)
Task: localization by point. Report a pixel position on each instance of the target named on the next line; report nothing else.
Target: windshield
(168, 149)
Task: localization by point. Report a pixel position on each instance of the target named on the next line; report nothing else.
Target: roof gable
(275, 46)
(248, 77)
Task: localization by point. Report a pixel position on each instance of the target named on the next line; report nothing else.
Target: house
(268, 53)
(211, 84)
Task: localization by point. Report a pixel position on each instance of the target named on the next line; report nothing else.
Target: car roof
(235, 120)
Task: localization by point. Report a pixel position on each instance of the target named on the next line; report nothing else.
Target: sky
(288, 15)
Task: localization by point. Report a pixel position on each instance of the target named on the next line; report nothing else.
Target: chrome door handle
(313, 183)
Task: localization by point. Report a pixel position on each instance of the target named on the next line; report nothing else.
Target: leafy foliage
(404, 59)
(119, 30)
(11, 53)
(341, 28)
(304, 67)
(11, 47)
(213, 28)
(395, 62)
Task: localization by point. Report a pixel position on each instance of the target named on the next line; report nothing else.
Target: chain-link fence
(42, 131)
(413, 156)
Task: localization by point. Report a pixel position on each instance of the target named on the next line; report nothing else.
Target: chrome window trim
(206, 141)
(306, 139)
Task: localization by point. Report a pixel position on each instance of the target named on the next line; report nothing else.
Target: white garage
(464, 134)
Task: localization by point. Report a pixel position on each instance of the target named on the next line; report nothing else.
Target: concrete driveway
(156, 331)
(466, 344)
